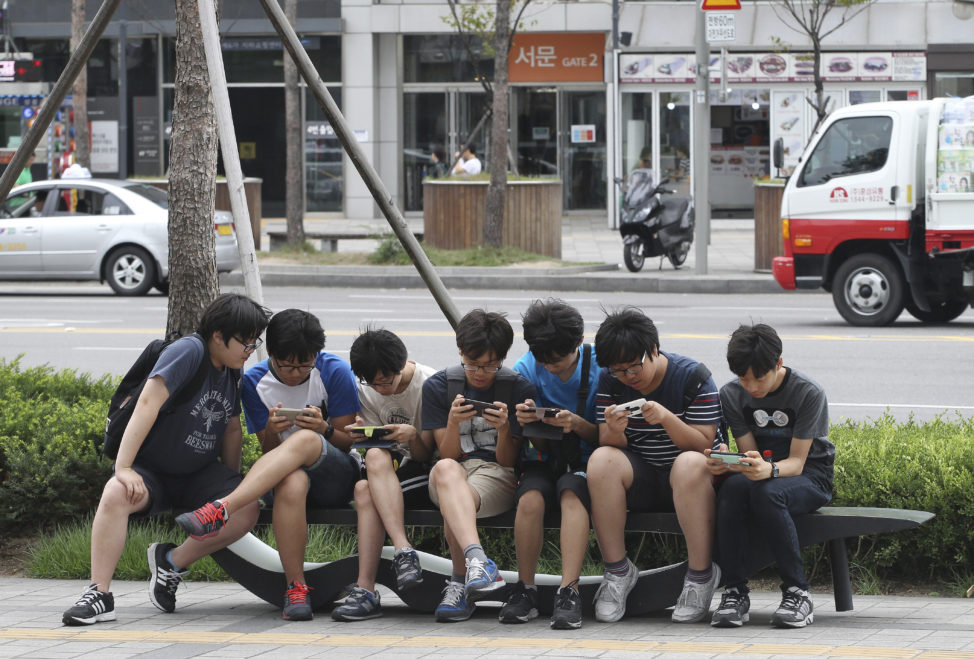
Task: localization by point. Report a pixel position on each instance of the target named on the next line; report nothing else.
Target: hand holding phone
(544, 412)
(632, 408)
(727, 458)
(479, 406)
(292, 413)
(372, 432)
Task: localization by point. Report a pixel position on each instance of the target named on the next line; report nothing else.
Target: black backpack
(123, 401)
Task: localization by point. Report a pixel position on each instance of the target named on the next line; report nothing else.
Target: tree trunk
(79, 92)
(821, 111)
(193, 281)
(293, 179)
(497, 160)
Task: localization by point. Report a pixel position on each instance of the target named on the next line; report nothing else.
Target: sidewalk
(224, 620)
(585, 240)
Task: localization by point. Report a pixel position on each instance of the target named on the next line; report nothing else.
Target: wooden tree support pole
(364, 167)
(61, 88)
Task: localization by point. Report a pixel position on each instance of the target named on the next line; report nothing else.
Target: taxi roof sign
(719, 5)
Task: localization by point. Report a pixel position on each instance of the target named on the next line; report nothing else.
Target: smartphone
(728, 458)
(630, 408)
(479, 406)
(374, 432)
(292, 413)
(544, 412)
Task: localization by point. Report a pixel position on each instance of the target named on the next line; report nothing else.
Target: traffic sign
(720, 27)
(720, 5)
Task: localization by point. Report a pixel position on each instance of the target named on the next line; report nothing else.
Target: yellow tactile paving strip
(540, 644)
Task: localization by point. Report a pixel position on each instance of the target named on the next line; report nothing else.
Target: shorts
(414, 480)
(185, 491)
(492, 482)
(332, 477)
(536, 476)
(650, 491)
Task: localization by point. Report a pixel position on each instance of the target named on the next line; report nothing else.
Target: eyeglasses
(249, 347)
(378, 385)
(280, 368)
(473, 368)
(632, 370)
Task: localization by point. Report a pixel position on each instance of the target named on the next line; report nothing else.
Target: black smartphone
(479, 406)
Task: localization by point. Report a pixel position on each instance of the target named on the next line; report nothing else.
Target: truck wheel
(868, 291)
(944, 312)
(130, 270)
(632, 254)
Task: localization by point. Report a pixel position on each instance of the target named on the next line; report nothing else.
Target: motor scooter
(652, 224)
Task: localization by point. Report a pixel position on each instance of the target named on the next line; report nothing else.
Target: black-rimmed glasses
(249, 347)
(635, 369)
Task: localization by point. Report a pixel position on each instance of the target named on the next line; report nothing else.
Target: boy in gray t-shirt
(780, 421)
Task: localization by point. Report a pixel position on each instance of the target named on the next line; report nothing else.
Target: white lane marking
(905, 406)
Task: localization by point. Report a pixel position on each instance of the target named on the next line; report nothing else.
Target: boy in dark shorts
(391, 396)
(652, 459)
(474, 476)
(776, 409)
(181, 459)
(566, 375)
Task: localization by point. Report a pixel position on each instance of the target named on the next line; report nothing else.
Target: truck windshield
(850, 146)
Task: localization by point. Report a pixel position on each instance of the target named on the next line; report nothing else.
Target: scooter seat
(674, 206)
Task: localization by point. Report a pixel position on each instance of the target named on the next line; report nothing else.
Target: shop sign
(720, 27)
(556, 57)
(104, 146)
(583, 133)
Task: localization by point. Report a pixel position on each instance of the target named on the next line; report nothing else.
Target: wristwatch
(774, 470)
(329, 431)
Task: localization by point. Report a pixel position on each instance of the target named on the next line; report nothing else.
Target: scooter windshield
(639, 187)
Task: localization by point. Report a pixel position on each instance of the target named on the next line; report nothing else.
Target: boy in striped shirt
(651, 459)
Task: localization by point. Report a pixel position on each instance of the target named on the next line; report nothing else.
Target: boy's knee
(445, 470)
(531, 503)
(602, 459)
(293, 487)
(377, 460)
(363, 493)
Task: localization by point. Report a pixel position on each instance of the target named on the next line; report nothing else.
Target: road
(907, 368)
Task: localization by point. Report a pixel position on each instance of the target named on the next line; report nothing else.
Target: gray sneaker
(359, 605)
(694, 602)
(795, 610)
(610, 598)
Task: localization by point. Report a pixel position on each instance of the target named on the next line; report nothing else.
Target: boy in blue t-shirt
(565, 373)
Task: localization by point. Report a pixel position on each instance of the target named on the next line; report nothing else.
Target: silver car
(104, 229)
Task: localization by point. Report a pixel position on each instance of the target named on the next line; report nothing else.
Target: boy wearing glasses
(180, 457)
(478, 447)
(391, 396)
(652, 459)
(307, 460)
(566, 375)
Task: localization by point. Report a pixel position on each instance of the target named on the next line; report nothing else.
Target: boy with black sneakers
(183, 458)
(470, 410)
(652, 458)
(305, 459)
(566, 375)
(391, 396)
(780, 420)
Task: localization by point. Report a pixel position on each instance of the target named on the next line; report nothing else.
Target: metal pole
(364, 167)
(61, 88)
(123, 101)
(701, 145)
(228, 147)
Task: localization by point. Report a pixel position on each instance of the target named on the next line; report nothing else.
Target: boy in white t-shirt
(391, 396)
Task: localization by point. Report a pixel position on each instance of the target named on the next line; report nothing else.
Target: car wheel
(632, 254)
(942, 312)
(130, 271)
(868, 290)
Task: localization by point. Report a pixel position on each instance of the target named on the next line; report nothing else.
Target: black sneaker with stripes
(93, 606)
(164, 579)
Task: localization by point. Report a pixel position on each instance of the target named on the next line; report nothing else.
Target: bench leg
(841, 583)
(277, 243)
(329, 245)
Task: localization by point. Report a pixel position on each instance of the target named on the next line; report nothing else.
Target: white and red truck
(880, 211)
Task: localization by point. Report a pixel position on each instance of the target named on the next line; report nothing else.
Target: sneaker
(163, 577)
(795, 609)
(567, 612)
(521, 606)
(610, 598)
(296, 604)
(409, 574)
(454, 607)
(205, 521)
(359, 605)
(482, 578)
(93, 606)
(732, 610)
(694, 602)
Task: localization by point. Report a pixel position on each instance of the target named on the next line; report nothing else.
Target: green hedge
(51, 472)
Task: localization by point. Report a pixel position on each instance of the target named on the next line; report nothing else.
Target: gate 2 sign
(559, 57)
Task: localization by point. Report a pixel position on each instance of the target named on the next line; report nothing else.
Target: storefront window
(54, 54)
(323, 175)
(537, 132)
(674, 139)
(443, 58)
(261, 59)
(953, 84)
(637, 132)
(585, 153)
(424, 129)
(857, 96)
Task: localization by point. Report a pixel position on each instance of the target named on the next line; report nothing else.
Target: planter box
(453, 214)
(767, 224)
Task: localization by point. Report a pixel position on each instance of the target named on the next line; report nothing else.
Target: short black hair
(377, 351)
(472, 148)
(295, 334)
(624, 336)
(481, 332)
(440, 152)
(755, 347)
(233, 314)
(552, 329)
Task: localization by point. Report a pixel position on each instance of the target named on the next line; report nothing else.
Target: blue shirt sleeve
(255, 411)
(341, 385)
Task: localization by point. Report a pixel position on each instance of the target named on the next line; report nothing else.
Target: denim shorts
(332, 477)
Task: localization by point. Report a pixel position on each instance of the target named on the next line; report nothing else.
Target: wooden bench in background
(257, 567)
(327, 241)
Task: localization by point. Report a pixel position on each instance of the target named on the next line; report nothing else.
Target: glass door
(424, 129)
(470, 108)
(637, 131)
(674, 140)
(584, 150)
(535, 135)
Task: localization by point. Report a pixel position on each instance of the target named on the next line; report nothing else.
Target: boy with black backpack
(180, 459)
(469, 408)
(560, 421)
(651, 458)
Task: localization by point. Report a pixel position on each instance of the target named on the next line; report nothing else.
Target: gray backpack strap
(504, 386)
(456, 380)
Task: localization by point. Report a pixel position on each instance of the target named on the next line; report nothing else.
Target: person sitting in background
(469, 163)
